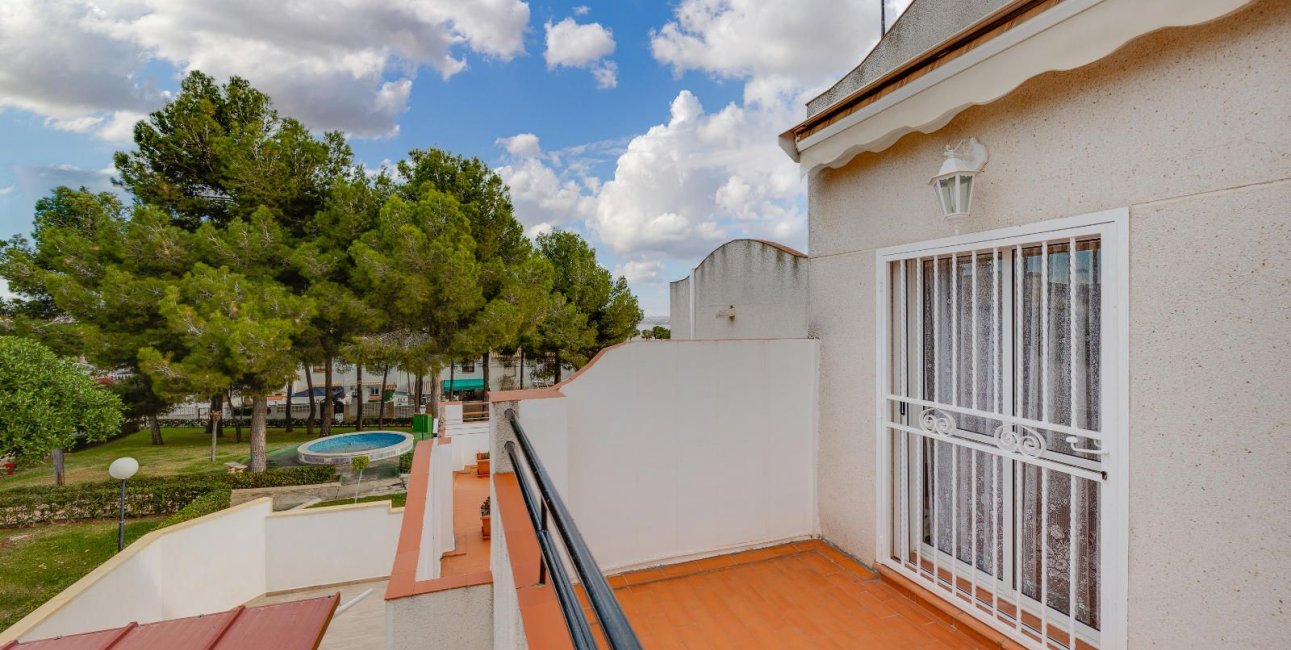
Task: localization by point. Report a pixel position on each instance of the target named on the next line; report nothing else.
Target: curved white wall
(765, 283)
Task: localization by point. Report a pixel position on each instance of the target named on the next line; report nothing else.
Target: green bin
(423, 426)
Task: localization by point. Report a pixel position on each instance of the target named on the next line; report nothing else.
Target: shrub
(145, 496)
(213, 501)
(405, 463)
(282, 476)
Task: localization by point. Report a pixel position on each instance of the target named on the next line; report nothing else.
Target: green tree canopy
(590, 309)
(46, 402)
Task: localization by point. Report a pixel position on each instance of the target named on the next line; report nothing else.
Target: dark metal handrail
(614, 623)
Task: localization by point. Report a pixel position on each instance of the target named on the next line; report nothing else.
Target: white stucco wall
(220, 561)
(766, 285)
(1188, 128)
(302, 546)
(670, 449)
(453, 618)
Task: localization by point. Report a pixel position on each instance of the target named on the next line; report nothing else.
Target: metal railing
(548, 504)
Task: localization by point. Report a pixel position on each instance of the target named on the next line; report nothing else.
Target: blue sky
(650, 127)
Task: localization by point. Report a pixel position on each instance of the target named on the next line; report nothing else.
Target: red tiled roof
(296, 625)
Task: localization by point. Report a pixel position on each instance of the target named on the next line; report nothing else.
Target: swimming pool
(339, 450)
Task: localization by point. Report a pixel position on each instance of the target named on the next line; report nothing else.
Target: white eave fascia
(1071, 34)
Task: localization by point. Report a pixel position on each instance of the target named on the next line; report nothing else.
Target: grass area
(397, 499)
(37, 563)
(187, 451)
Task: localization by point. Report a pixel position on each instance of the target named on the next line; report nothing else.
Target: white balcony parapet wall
(220, 561)
(677, 449)
(468, 437)
(437, 526)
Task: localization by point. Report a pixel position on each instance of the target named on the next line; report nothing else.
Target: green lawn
(37, 563)
(398, 499)
(186, 451)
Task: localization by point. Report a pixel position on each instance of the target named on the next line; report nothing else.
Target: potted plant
(482, 464)
(485, 520)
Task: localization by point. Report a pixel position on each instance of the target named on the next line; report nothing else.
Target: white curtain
(965, 354)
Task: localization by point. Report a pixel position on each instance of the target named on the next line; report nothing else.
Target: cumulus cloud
(574, 45)
(543, 198)
(333, 63)
(778, 48)
(676, 191)
(640, 271)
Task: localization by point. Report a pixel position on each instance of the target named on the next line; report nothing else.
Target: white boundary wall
(468, 437)
(220, 561)
(665, 450)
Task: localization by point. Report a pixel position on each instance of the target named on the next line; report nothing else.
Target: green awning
(455, 385)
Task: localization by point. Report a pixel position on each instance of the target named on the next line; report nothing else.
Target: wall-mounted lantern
(954, 183)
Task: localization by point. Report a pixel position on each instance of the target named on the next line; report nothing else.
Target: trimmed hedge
(145, 496)
(281, 476)
(213, 501)
(405, 463)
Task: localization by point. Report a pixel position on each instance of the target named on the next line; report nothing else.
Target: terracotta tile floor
(472, 553)
(802, 595)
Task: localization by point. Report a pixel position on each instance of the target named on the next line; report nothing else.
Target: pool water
(340, 449)
(353, 443)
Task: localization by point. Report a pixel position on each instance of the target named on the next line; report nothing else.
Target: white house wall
(766, 285)
(1189, 128)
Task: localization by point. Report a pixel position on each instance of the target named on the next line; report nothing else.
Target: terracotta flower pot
(482, 467)
(486, 526)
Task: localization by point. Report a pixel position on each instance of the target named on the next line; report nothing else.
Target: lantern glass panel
(965, 193)
(946, 191)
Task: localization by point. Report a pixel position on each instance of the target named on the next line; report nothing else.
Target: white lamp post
(122, 469)
(954, 183)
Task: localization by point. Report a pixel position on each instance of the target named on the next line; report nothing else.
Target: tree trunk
(309, 385)
(362, 397)
(217, 415)
(237, 421)
(259, 414)
(557, 366)
(290, 384)
(487, 386)
(452, 381)
(381, 417)
(155, 427)
(329, 403)
(416, 394)
(60, 477)
(521, 368)
(435, 385)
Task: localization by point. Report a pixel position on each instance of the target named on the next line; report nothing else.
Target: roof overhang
(1063, 36)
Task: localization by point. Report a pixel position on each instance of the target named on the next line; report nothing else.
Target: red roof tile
(297, 625)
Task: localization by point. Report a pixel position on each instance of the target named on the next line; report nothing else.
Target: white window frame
(1114, 574)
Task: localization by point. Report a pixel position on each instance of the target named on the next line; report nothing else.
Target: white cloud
(581, 10)
(606, 74)
(524, 145)
(574, 45)
(7, 189)
(778, 48)
(640, 271)
(542, 198)
(676, 191)
(333, 63)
